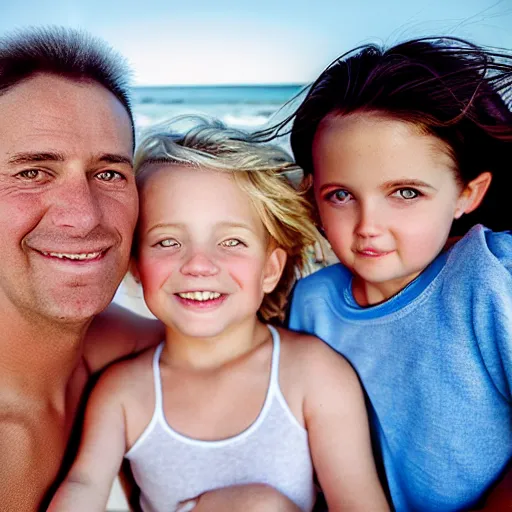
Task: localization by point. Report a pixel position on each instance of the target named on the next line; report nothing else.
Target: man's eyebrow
(112, 158)
(55, 156)
(27, 158)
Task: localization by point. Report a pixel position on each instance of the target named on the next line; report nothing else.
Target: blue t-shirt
(436, 363)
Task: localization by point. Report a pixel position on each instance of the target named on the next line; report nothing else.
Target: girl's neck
(371, 294)
(200, 353)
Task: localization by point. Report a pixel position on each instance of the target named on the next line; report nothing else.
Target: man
(68, 208)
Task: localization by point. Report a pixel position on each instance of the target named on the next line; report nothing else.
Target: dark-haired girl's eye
(339, 196)
(407, 193)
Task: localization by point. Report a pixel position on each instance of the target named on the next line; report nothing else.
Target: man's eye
(232, 242)
(30, 174)
(109, 176)
(338, 196)
(169, 242)
(407, 193)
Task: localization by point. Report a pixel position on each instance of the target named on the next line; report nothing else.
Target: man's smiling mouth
(80, 256)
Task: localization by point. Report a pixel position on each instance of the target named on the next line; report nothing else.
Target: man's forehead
(51, 114)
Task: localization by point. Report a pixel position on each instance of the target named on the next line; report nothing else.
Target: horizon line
(256, 84)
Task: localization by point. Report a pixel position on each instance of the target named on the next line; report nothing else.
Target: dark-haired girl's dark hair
(456, 91)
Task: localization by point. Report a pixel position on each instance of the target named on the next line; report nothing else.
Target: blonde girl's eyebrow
(181, 226)
(236, 225)
(165, 225)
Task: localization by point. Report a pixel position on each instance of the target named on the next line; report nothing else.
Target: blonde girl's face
(387, 196)
(204, 259)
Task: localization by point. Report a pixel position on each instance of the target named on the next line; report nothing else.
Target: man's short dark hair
(65, 52)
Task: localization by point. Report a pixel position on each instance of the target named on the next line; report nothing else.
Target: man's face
(68, 202)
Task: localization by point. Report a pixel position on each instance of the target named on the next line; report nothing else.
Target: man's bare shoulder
(18, 453)
(27, 438)
(116, 333)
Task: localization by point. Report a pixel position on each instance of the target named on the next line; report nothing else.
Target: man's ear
(473, 194)
(134, 270)
(274, 266)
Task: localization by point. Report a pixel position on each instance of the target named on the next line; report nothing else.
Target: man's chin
(76, 309)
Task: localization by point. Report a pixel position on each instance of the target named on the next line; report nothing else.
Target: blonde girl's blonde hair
(264, 172)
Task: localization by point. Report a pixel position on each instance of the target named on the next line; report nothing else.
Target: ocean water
(249, 107)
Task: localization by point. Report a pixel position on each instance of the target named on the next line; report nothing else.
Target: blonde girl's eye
(168, 242)
(232, 242)
(407, 193)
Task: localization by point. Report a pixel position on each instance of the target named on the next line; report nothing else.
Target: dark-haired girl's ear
(473, 194)
(306, 183)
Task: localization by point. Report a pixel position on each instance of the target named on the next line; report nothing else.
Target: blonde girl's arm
(337, 424)
(88, 484)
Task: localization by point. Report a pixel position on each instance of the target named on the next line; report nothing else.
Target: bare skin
(66, 187)
(39, 411)
(313, 381)
(215, 363)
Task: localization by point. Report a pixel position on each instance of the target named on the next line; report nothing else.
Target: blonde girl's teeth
(199, 296)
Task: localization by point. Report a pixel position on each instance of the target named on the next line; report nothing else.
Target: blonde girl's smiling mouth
(201, 299)
(199, 295)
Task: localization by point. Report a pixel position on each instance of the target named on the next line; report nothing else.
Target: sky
(190, 42)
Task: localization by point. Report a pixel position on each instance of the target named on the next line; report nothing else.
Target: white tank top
(170, 467)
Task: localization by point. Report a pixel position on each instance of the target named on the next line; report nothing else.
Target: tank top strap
(274, 371)
(157, 380)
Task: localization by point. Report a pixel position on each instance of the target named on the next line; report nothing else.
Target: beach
(248, 107)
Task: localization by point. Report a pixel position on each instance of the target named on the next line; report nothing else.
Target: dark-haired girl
(406, 147)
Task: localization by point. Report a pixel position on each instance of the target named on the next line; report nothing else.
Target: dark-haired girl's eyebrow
(406, 183)
(333, 184)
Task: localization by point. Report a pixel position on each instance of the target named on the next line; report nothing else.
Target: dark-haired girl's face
(387, 195)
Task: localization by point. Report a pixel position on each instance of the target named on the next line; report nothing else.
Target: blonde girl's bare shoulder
(308, 360)
(130, 377)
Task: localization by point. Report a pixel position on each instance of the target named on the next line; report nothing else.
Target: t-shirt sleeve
(494, 330)
(297, 318)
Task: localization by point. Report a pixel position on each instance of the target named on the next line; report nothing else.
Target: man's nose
(199, 264)
(75, 206)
